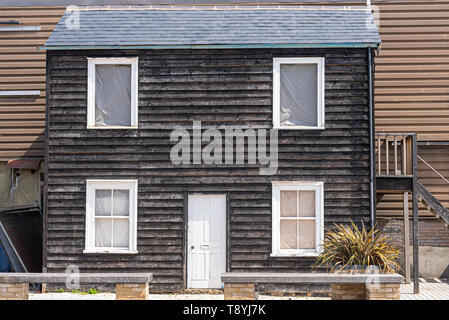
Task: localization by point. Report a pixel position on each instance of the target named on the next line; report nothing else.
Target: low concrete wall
(14, 291)
(302, 289)
(131, 291)
(434, 262)
(433, 245)
(348, 291)
(239, 291)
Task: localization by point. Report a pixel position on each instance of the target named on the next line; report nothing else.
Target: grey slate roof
(234, 27)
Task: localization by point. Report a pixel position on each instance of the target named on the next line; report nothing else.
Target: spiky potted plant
(349, 249)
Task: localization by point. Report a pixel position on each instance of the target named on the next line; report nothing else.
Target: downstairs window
(111, 216)
(297, 225)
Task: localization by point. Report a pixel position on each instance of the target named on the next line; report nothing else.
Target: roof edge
(217, 46)
(218, 7)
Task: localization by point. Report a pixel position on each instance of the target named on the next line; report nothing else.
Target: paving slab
(429, 289)
(111, 296)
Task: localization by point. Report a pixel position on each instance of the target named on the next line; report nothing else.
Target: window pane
(103, 202)
(113, 95)
(306, 234)
(121, 233)
(289, 204)
(298, 94)
(307, 203)
(121, 203)
(103, 235)
(288, 234)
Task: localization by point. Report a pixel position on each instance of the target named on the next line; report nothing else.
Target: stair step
(432, 204)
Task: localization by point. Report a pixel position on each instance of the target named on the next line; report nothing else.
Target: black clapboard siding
(220, 88)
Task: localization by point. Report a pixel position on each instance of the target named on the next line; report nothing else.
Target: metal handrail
(434, 170)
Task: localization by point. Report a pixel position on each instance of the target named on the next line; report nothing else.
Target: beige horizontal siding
(22, 68)
(412, 70)
(411, 78)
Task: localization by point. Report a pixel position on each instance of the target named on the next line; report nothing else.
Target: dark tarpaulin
(24, 232)
(5, 265)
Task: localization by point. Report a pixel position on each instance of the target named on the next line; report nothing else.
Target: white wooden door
(206, 251)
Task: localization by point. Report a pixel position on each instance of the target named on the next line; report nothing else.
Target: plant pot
(359, 269)
(370, 290)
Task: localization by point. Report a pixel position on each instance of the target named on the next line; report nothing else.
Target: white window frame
(277, 187)
(319, 61)
(91, 186)
(91, 63)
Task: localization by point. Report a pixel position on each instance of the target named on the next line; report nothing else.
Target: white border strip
(23, 28)
(21, 93)
(285, 6)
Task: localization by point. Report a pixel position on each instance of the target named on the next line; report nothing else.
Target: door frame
(186, 231)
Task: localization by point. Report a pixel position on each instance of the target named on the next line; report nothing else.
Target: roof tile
(154, 27)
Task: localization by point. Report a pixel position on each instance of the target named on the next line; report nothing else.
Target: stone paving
(111, 296)
(429, 289)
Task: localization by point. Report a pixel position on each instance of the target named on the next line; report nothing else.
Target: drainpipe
(372, 158)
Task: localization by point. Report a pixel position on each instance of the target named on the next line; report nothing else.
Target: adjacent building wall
(22, 117)
(412, 95)
(411, 85)
(412, 69)
(22, 68)
(20, 187)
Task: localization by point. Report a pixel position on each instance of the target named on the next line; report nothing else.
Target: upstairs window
(297, 218)
(298, 93)
(112, 93)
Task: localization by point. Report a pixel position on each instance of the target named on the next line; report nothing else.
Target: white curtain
(289, 204)
(306, 234)
(120, 233)
(113, 95)
(288, 234)
(103, 232)
(121, 203)
(295, 230)
(111, 232)
(298, 96)
(307, 203)
(103, 202)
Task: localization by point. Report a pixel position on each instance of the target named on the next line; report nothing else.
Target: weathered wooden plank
(221, 88)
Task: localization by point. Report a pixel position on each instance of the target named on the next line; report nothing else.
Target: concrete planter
(359, 269)
(371, 290)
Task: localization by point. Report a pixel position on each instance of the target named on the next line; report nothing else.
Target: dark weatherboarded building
(145, 170)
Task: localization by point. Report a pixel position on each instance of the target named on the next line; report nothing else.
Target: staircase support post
(406, 239)
(414, 152)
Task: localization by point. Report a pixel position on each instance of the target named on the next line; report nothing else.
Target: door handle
(192, 247)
